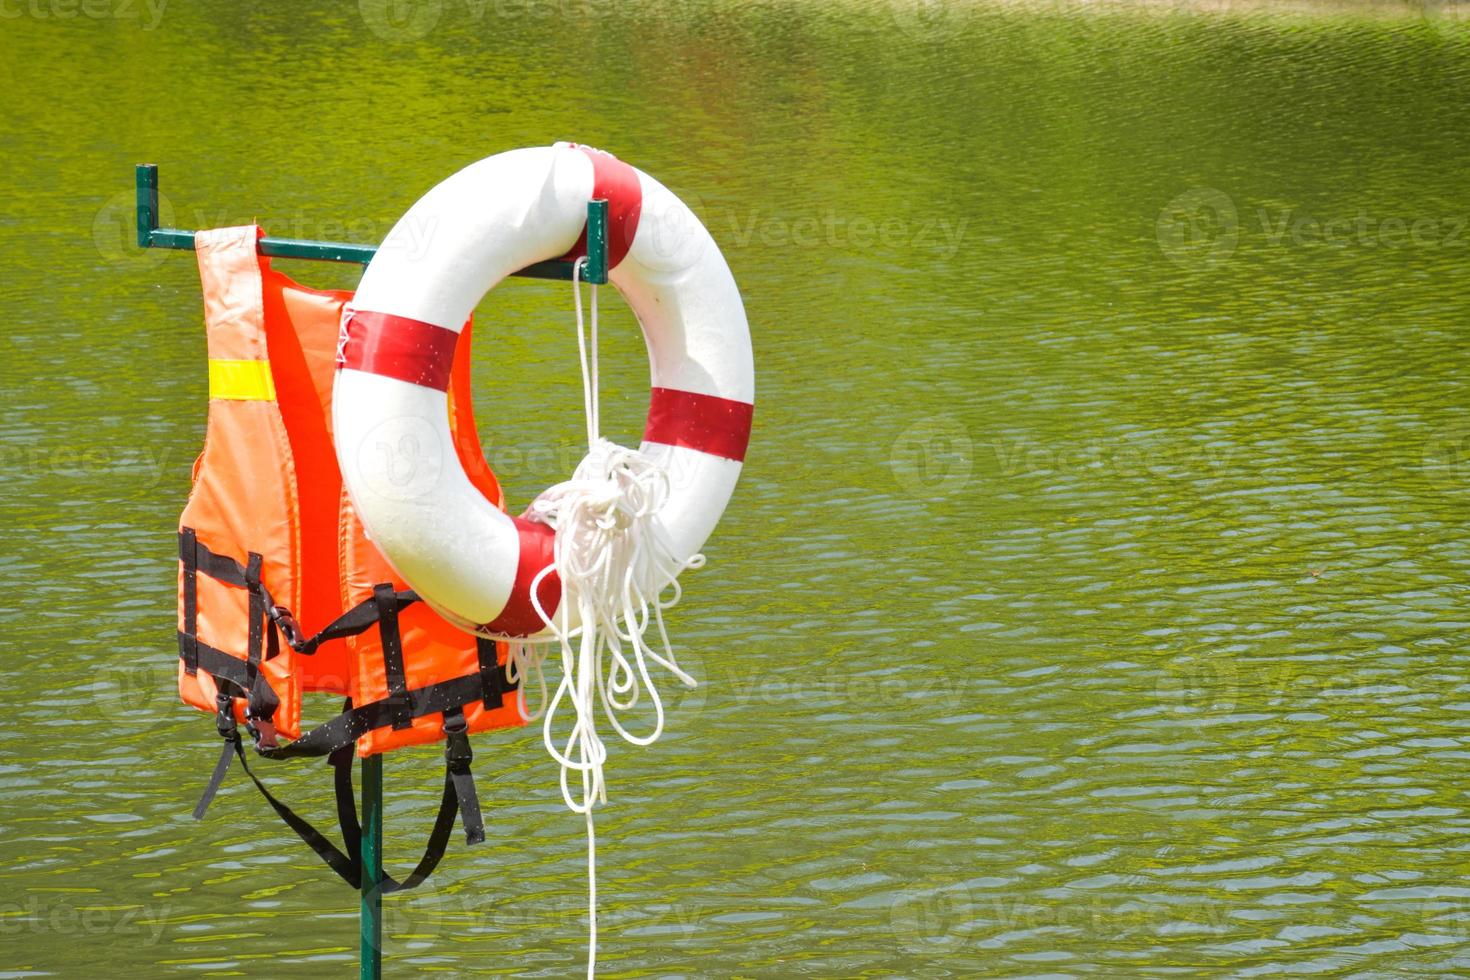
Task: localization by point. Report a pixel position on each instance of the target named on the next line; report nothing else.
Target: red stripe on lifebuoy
(519, 617)
(397, 347)
(707, 423)
(616, 183)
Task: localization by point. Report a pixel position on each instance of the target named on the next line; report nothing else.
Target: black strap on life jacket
(386, 601)
(261, 645)
(432, 699)
(491, 692)
(188, 636)
(352, 622)
(255, 642)
(347, 860)
(458, 778)
(242, 679)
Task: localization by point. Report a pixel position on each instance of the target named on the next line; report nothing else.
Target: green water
(1093, 602)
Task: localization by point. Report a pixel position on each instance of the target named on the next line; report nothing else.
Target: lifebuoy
(390, 413)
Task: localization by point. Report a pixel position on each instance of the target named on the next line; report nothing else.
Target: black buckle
(262, 729)
(288, 626)
(457, 751)
(224, 717)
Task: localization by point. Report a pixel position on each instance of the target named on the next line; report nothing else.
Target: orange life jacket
(280, 590)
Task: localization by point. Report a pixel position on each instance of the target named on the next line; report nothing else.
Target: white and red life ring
(389, 407)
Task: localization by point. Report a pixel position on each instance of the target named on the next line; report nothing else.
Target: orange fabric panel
(240, 501)
(230, 271)
(462, 423)
(317, 314)
(302, 326)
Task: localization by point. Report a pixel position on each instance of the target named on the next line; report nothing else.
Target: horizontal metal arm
(152, 236)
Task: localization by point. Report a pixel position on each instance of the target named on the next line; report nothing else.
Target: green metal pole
(370, 948)
(597, 242)
(147, 197)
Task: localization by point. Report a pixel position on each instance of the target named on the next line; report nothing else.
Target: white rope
(590, 405)
(348, 311)
(615, 563)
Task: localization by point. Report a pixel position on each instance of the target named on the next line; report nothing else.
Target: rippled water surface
(1093, 602)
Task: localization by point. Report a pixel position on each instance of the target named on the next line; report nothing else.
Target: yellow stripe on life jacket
(241, 380)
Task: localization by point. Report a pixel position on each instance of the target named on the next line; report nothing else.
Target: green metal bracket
(152, 236)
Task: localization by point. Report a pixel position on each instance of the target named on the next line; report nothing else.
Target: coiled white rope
(615, 564)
